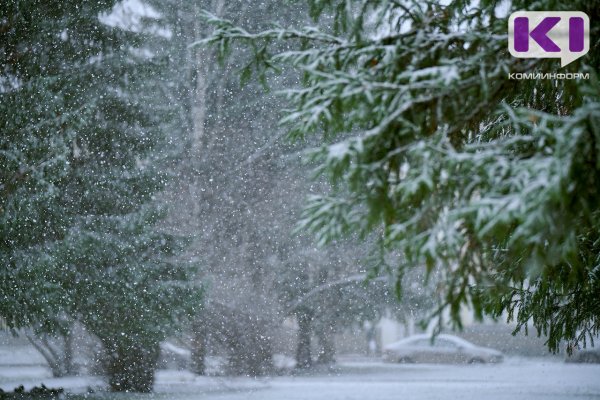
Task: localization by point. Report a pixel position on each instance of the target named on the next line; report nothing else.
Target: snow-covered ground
(529, 379)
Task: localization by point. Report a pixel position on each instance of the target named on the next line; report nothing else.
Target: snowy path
(514, 379)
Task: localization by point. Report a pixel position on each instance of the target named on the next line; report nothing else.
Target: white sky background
(383, 30)
(129, 15)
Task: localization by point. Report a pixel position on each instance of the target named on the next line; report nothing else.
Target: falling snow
(233, 199)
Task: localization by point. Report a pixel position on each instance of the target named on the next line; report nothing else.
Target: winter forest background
(249, 179)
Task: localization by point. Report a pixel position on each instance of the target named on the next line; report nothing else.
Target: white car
(443, 349)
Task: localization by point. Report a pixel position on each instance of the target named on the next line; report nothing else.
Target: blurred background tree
(238, 193)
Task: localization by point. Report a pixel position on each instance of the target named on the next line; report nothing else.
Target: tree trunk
(57, 351)
(303, 356)
(258, 353)
(199, 344)
(70, 367)
(52, 358)
(327, 352)
(200, 60)
(131, 367)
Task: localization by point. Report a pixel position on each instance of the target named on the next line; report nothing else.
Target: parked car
(443, 349)
(586, 356)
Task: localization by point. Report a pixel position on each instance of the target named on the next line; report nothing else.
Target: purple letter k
(539, 34)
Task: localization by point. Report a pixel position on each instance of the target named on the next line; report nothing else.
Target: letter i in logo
(577, 34)
(549, 34)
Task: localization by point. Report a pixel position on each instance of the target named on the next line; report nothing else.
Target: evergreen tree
(82, 145)
(490, 183)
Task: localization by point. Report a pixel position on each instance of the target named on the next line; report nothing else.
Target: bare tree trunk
(57, 351)
(199, 343)
(49, 355)
(198, 110)
(258, 351)
(303, 354)
(246, 339)
(327, 352)
(200, 61)
(68, 354)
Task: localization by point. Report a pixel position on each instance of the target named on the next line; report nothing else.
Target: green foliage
(489, 183)
(81, 156)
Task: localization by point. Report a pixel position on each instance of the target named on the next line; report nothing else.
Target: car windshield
(444, 343)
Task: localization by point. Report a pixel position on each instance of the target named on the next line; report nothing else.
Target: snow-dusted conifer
(80, 148)
(491, 183)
